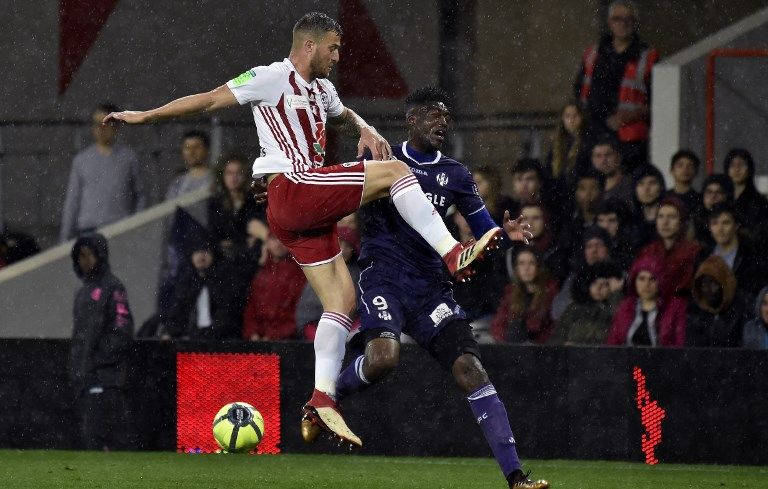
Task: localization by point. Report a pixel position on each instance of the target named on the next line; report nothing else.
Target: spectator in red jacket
(672, 250)
(524, 313)
(270, 311)
(643, 318)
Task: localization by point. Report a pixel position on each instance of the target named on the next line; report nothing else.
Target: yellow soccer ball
(238, 427)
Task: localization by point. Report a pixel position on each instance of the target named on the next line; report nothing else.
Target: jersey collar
(301, 80)
(407, 155)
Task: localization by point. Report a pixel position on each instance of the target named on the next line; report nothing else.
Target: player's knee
(469, 373)
(381, 357)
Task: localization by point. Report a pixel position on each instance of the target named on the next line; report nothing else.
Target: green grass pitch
(93, 470)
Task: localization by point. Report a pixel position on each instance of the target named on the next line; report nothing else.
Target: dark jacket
(755, 333)
(748, 266)
(103, 324)
(224, 300)
(721, 325)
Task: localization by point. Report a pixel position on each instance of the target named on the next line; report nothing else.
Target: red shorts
(303, 209)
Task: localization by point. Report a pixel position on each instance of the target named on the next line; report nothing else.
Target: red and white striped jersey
(290, 116)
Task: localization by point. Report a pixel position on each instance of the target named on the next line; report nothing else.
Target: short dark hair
(197, 134)
(723, 208)
(606, 140)
(591, 173)
(744, 155)
(317, 23)
(613, 205)
(685, 153)
(524, 165)
(107, 107)
(425, 96)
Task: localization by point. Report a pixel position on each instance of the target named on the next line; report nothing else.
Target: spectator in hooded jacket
(755, 334)
(738, 254)
(750, 204)
(524, 313)
(684, 167)
(99, 356)
(674, 252)
(718, 312)
(643, 318)
(207, 301)
(587, 318)
(648, 192)
(715, 189)
(270, 312)
(614, 217)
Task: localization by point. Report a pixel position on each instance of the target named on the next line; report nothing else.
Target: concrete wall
(36, 295)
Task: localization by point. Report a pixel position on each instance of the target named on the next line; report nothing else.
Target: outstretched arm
(218, 98)
(351, 124)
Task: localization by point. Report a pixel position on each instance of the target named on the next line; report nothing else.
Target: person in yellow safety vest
(614, 85)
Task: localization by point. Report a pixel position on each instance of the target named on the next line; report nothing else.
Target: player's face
(325, 55)
(723, 228)
(526, 267)
(646, 286)
(429, 124)
(668, 222)
(684, 170)
(194, 152)
(648, 190)
(609, 222)
(86, 260)
(233, 175)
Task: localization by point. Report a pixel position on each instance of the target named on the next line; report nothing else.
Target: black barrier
(699, 405)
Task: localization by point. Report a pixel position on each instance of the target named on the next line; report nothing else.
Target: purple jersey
(388, 238)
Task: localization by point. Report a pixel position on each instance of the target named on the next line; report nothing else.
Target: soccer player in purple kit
(403, 289)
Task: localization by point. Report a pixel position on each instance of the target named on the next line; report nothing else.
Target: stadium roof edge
(718, 39)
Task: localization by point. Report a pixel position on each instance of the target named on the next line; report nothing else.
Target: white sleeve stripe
(475, 212)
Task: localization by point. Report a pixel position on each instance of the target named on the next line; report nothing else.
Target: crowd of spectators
(616, 258)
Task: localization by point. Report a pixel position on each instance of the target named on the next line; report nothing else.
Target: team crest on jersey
(442, 179)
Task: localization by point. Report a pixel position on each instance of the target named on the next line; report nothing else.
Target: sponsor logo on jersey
(420, 172)
(441, 312)
(437, 200)
(385, 316)
(240, 80)
(442, 179)
(296, 102)
(387, 334)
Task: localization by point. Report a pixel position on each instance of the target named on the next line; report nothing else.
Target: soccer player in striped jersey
(405, 291)
(291, 102)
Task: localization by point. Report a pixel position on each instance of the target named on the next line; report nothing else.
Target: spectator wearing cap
(738, 254)
(614, 217)
(648, 184)
(644, 318)
(673, 251)
(524, 313)
(715, 189)
(594, 248)
(586, 319)
(750, 204)
(309, 308)
(270, 311)
(205, 302)
(718, 312)
(684, 167)
(755, 335)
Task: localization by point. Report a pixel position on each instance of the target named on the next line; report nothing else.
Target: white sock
(420, 214)
(330, 342)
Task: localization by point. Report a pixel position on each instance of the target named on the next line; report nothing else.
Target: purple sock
(351, 379)
(491, 415)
